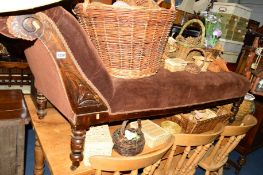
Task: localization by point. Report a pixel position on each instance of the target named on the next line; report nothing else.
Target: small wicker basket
(130, 40)
(189, 44)
(127, 147)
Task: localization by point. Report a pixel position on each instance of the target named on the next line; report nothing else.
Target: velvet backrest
(83, 50)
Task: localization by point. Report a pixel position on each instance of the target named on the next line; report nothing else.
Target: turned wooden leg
(235, 109)
(41, 105)
(39, 159)
(77, 146)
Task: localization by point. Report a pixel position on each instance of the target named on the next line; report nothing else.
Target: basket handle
(198, 22)
(124, 125)
(172, 3)
(203, 53)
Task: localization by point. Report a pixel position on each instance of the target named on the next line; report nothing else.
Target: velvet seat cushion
(163, 90)
(168, 90)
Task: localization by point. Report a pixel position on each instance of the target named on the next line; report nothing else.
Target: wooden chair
(118, 164)
(217, 155)
(196, 145)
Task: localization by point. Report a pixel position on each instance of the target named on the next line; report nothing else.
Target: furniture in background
(235, 18)
(218, 154)
(257, 82)
(13, 117)
(14, 70)
(195, 147)
(253, 139)
(248, 57)
(76, 82)
(14, 73)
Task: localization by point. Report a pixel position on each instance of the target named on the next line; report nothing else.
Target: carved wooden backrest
(118, 164)
(227, 142)
(196, 145)
(69, 89)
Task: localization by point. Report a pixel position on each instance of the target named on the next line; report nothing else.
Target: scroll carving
(40, 26)
(81, 93)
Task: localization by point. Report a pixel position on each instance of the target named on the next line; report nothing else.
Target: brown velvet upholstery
(83, 50)
(54, 90)
(167, 90)
(162, 91)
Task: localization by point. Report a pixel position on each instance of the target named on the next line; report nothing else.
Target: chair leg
(220, 171)
(207, 172)
(154, 166)
(98, 172)
(39, 159)
(146, 170)
(41, 105)
(77, 146)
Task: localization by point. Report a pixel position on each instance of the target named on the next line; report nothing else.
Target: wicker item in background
(171, 127)
(127, 147)
(200, 126)
(130, 40)
(246, 107)
(189, 44)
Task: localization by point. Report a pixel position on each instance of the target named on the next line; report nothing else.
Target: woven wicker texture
(199, 126)
(130, 40)
(127, 147)
(189, 44)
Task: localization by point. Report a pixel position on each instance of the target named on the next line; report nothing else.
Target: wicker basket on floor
(130, 40)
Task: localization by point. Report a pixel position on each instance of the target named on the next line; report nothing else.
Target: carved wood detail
(41, 105)
(82, 98)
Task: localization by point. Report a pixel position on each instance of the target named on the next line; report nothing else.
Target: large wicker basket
(130, 40)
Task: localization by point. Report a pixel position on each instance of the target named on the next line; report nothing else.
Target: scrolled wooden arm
(81, 95)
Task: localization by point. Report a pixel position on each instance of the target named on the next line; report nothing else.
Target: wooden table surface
(54, 134)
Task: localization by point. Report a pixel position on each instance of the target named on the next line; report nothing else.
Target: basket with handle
(127, 147)
(130, 40)
(185, 45)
